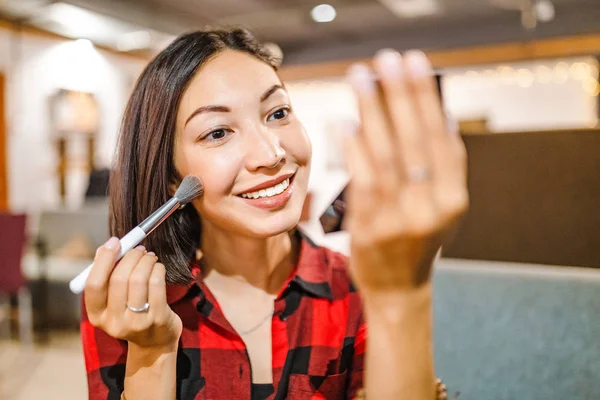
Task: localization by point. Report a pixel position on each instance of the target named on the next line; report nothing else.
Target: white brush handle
(128, 242)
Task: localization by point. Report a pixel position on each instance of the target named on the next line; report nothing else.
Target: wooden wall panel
(535, 198)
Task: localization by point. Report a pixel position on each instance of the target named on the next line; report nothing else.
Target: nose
(264, 150)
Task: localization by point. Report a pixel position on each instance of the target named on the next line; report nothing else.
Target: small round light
(323, 13)
(544, 11)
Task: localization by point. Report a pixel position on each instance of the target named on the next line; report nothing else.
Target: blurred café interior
(517, 290)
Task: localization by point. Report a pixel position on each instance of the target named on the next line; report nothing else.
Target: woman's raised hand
(408, 168)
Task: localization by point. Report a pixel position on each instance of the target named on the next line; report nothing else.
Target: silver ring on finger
(141, 309)
(419, 174)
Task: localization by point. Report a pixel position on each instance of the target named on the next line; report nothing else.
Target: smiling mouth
(268, 192)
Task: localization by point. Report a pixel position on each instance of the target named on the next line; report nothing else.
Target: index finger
(96, 287)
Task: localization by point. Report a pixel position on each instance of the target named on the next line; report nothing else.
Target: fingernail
(112, 243)
(360, 78)
(389, 63)
(140, 247)
(151, 253)
(418, 64)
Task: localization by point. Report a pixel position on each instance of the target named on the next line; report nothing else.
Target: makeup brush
(188, 190)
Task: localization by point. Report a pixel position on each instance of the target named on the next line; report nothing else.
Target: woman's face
(237, 132)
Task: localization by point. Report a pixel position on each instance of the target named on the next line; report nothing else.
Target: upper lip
(268, 184)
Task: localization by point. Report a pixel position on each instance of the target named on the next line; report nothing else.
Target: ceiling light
(544, 10)
(78, 22)
(137, 40)
(84, 43)
(323, 13)
(412, 8)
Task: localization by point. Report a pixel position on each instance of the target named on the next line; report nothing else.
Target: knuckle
(137, 252)
(137, 280)
(94, 319)
(132, 256)
(455, 203)
(161, 319)
(117, 279)
(150, 257)
(115, 331)
(101, 252)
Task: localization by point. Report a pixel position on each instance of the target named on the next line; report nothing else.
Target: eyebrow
(269, 92)
(223, 109)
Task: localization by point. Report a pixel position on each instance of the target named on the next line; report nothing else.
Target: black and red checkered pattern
(318, 337)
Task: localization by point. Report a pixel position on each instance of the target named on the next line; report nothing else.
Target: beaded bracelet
(441, 393)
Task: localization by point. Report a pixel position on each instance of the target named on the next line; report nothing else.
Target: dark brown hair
(144, 168)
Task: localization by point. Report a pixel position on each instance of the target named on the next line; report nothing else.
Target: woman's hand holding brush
(125, 295)
(128, 301)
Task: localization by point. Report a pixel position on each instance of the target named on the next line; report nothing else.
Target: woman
(241, 305)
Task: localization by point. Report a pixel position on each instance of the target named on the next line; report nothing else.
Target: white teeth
(269, 192)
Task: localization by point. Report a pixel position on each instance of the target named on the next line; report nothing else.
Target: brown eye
(282, 113)
(218, 134)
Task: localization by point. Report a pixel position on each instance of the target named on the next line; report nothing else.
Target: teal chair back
(508, 332)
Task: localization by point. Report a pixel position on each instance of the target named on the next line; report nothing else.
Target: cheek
(217, 170)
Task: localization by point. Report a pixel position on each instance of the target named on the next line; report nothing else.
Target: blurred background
(517, 303)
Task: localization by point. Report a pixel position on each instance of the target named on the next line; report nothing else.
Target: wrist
(393, 305)
(150, 372)
(152, 352)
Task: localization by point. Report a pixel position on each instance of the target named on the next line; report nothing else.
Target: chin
(277, 223)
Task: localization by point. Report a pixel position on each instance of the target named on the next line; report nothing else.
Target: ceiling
(361, 26)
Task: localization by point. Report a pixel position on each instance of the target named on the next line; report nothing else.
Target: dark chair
(12, 280)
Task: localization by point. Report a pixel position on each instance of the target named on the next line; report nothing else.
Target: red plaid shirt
(318, 337)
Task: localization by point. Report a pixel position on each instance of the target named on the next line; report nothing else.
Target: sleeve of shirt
(105, 359)
(358, 362)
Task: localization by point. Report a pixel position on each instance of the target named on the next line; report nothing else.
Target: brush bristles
(190, 188)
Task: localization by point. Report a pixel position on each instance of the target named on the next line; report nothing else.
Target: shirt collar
(313, 271)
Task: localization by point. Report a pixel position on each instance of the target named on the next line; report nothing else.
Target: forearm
(399, 357)
(150, 373)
